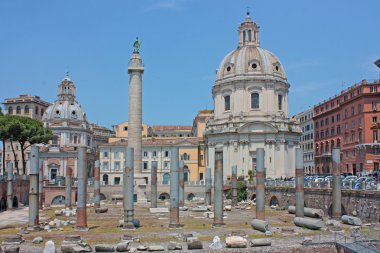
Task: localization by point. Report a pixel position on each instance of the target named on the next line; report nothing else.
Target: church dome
(249, 59)
(66, 107)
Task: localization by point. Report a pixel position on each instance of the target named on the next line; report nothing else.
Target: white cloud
(164, 5)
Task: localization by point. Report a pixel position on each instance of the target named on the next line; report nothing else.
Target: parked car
(369, 181)
(346, 182)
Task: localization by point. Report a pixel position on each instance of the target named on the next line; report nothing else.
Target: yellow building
(121, 131)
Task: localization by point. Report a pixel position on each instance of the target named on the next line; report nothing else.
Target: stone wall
(20, 191)
(366, 204)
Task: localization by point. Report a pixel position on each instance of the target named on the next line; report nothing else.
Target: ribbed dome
(65, 110)
(250, 60)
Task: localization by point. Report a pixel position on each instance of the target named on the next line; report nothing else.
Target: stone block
(101, 210)
(12, 249)
(236, 242)
(174, 246)
(194, 244)
(159, 210)
(156, 248)
(37, 240)
(122, 247)
(104, 248)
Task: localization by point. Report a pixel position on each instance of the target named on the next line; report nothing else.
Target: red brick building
(349, 121)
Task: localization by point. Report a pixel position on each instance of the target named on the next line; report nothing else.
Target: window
(227, 105)
(345, 113)
(375, 136)
(166, 153)
(116, 180)
(42, 112)
(338, 132)
(346, 125)
(374, 106)
(166, 165)
(332, 131)
(280, 102)
(360, 136)
(353, 137)
(105, 166)
(18, 110)
(10, 110)
(374, 120)
(244, 37)
(36, 110)
(117, 155)
(359, 122)
(327, 133)
(145, 154)
(125, 128)
(352, 111)
(332, 119)
(326, 121)
(26, 109)
(255, 101)
(373, 89)
(249, 35)
(116, 166)
(154, 154)
(316, 125)
(359, 108)
(201, 157)
(322, 123)
(105, 154)
(338, 117)
(145, 165)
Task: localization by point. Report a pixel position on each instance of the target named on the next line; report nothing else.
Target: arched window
(255, 101)
(280, 102)
(243, 37)
(26, 109)
(227, 103)
(10, 110)
(249, 35)
(36, 110)
(18, 110)
(54, 141)
(75, 139)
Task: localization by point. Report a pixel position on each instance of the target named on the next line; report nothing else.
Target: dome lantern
(66, 90)
(248, 32)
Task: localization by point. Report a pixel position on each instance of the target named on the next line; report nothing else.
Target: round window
(254, 65)
(73, 112)
(57, 111)
(228, 68)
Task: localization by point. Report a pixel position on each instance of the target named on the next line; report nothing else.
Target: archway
(102, 196)
(58, 200)
(253, 198)
(190, 196)
(3, 205)
(164, 196)
(274, 201)
(15, 202)
(105, 179)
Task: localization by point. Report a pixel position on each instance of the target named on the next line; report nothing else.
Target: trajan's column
(135, 70)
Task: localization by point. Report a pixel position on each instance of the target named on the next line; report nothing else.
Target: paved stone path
(14, 217)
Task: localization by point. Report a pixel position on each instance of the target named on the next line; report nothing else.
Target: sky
(325, 46)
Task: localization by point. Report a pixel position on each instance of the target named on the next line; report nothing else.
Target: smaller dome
(65, 110)
(250, 60)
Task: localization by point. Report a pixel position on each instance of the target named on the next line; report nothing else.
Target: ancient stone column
(82, 190)
(153, 185)
(128, 190)
(10, 186)
(299, 184)
(41, 185)
(208, 184)
(181, 184)
(260, 186)
(218, 189)
(97, 184)
(234, 186)
(135, 70)
(174, 188)
(68, 183)
(336, 190)
(33, 186)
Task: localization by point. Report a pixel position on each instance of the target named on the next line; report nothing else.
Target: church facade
(251, 110)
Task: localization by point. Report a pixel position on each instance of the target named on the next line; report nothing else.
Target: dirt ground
(154, 228)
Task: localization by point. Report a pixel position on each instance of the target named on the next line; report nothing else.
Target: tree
(26, 131)
(241, 191)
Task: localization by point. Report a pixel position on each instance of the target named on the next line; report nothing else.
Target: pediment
(257, 127)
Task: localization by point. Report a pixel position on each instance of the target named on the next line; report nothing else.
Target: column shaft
(97, 184)
(153, 185)
(299, 184)
(10, 186)
(181, 184)
(68, 183)
(218, 189)
(234, 186)
(174, 188)
(33, 187)
(82, 189)
(208, 184)
(260, 186)
(336, 191)
(128, 188)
